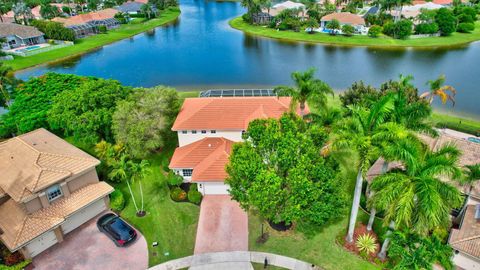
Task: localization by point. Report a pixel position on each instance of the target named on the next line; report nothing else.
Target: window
(184, 132)
(54, 192)
(213, 131)
(187, 172)
(204, 131)
(194, 132)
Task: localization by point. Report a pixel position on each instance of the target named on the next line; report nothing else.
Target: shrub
(117, 201)
(174, 180)
(102, 29)
(465, 18)
(19, 266)
(465, 27)
(247, 17)
(194, 196)
(366, 243)
(426, 28)
(348, 30)
(177, 194)
(374, 31)
(389, 29)
(14, 258)
(54, 30)
(446, 21)
(403, 29)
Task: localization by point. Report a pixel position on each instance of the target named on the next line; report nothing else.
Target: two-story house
(208, 127)
(47, 189)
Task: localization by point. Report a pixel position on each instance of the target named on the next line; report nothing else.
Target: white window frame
(189, 174)
(194, 132)
(54, 192)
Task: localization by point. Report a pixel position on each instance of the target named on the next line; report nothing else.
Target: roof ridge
(66, 156)
(465, 239)
(17, 237)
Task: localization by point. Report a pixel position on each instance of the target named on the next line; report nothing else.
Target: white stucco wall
(213, 188)
(466, 262)
(184, 139)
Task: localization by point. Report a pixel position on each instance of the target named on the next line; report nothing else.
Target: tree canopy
(143, 121)
(279, 171)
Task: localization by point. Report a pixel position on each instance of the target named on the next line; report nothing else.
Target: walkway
(230, 260)
(222, 226)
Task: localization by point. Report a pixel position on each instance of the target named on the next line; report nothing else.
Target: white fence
(60, 44)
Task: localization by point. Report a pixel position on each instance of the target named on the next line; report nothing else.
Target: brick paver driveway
(87, 248)
(223, 226)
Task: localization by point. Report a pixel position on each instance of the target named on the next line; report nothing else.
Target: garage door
(83, 216)
(41, 243)
(215, 189)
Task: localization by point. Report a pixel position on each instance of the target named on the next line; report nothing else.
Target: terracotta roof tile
(35, 160)
(208, 158)
(19, 227)
(104, 14)
(228, 113)
(344, 18)
(467, 238)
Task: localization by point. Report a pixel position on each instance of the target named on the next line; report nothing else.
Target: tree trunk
(355, 204)
(141, 194)
(131, 194)
(371, 219)
(383, 251)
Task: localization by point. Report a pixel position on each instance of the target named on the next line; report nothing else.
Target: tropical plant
(48, 11)
(307, 88)
(138, 172)
(22, 11)
(6, 81)
(348, 30)
(471, 175)
(333, 25)
(311, 25)
(117, 201)
(174, 180)
(366, 132)
(438, 88)
(446, 20)
(4, 8)
(366, 243)
(411, 251)
(147, 10)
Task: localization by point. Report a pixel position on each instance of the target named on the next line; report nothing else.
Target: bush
(117, 201)
(348, 30)
(403, 29)
(54, 30)
(13, 258)
(374, 31)
(194, 196)
(177, 194)
(247, 18)
(426, 28)
(465, 18)
(446, 21)
(389, 29)
(465, 27)
(174, 180)
(366, 243)
(102, 29)
(20, 266)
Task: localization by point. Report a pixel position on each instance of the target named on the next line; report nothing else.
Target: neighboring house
(86, 24)
(345, 18)
(132, 8)
(18, 35)
(415, 10)
(47, 189)
(207, 129)
(35, 12)
(276, 9)
(465, 239)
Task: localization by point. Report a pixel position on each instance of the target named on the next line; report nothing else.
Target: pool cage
(238, 93)
(83, 30)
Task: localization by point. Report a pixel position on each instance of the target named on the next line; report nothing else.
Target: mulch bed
(361, 229)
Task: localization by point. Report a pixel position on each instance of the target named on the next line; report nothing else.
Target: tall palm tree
(140, 171)
(21, 10)
(438, 88)
(121, 171)
(368, 133)
(415, 197)
(147, 10)
(307, 88)
(472, 175)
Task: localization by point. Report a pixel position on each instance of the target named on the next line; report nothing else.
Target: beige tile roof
(19, 227)
(35, 160)
(22, 31)
(467, 238)
(208, 158)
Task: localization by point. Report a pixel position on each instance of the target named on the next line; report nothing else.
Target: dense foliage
(374, 31)
(54, 30)
(86, 112)
(117, 200)
(279, 171)
(143, 121)
(447, 22)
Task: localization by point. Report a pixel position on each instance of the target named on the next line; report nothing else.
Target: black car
(117, 229)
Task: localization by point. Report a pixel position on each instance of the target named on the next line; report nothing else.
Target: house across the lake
(345, 18)
(87, 24)
(48, 188)
(276, 9)
(133, 8)
(208, 127)
(18, 35)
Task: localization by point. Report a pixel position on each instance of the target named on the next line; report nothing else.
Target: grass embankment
(457, 123)
(89, 43)
(382, 41)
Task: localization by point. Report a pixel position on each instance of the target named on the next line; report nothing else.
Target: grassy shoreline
(456, 39)
(90, 43)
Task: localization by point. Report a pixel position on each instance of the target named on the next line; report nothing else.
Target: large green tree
(307, 88)
(86, 112)
(143, 121)
(279, 171)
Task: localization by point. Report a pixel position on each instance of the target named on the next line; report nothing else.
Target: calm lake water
(200, 51)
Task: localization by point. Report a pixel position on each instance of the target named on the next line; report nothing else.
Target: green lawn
(457, 123)
(383, 41)
(87, 44)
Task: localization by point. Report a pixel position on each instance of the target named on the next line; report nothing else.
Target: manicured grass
(383, 41)
(321, 249)
(87, 44)
(173, 225)
(457, 123)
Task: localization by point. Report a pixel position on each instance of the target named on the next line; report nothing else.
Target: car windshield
(121, 229)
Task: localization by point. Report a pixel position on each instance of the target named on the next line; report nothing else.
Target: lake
(200, 51)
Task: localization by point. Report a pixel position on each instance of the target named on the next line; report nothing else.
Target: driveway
(87, 248)
(223, 226)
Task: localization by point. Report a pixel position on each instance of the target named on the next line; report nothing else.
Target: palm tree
(438, 88)
(3, 10)
(307, 88)
(20, 9)
(367, 132)
(147, 10)
(121, 172)
(139, 171)
(472, 175)
(415, 197)
(6, 80)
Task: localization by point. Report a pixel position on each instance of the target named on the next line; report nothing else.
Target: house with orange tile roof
(48, 188)
(345, 18)
(208, 127)
(86, 24)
